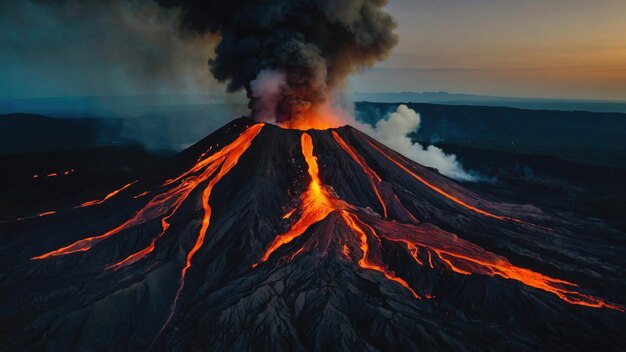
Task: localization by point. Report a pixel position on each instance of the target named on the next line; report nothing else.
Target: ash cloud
(314, 44)
(393, 131)
(105, 47)
(54, 48)
(112, 59)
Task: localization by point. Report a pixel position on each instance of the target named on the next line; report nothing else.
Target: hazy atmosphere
(555, 49)
(312, 175)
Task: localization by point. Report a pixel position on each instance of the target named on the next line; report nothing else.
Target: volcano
(264, 238)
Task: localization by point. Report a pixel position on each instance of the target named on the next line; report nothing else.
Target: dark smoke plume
(306, 47)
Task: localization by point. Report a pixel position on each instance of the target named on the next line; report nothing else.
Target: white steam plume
(393, 131)
(267, 91)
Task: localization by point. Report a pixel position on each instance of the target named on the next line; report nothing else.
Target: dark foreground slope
(270, 239)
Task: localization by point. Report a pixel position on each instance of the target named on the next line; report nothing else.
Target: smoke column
(306, 48)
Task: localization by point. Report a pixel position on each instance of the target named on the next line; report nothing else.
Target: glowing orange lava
(351, 221)
(439, 190)
(501, 267)
(371, 174)
(316, 204)
(171, 199)
(318, 118)
(425, 243)
(107, 197)
(137, 256)
(466, 258)
(345, 250)
(230, 156)
(460, 256)
(414, 251)
(141, 194)
(289, 214)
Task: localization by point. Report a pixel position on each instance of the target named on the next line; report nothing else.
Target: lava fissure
(466, 258)
(445, 194)
(457, 255)
(82, 205)
(162, 203)
(316, 202)
(372, 176)
(137, 256)
(230, 159)
(364, 261)
(389, 247)
(107, 197)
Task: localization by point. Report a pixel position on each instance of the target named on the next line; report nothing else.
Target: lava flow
(453, 253)
(316, 203)
(352, 222)
(438, 189)
(165, 204)
(363, 239)
(320, 117)
(371, 174)
(107, 197)
(212, 169)
(226, 159)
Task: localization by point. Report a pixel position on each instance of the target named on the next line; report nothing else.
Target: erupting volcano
(281, 239)
(284, 231)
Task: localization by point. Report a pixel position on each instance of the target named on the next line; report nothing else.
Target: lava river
(455, 254)
(362, 230)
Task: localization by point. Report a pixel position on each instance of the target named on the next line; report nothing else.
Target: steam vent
(272, 239)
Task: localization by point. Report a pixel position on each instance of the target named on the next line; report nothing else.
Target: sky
(529, 48)
(548, 49)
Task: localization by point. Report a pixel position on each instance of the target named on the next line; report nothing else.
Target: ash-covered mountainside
(262, 238)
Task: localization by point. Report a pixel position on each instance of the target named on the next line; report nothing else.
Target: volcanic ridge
(264, 238)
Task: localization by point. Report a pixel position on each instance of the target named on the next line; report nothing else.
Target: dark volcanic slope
(270, 239)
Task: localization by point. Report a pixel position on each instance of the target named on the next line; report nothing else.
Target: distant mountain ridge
(488, 100)
(587, 137)
(133, 106)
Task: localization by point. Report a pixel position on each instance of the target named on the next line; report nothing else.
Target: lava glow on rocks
(362, 232)
(316, 203)
(321, 117)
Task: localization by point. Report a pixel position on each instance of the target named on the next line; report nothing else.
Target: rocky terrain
(262, 238)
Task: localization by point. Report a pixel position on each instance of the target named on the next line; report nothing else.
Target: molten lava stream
(503, 268)
(371, 174)
(231, 155)
(439, 190)
(171, 199)
(351, 221)
(289, 214)
(137, 256)
(414, 251)
(107, 197)
(500, 267)
(466, 258)
(141, 194)
(182, 193)
(316, 203)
